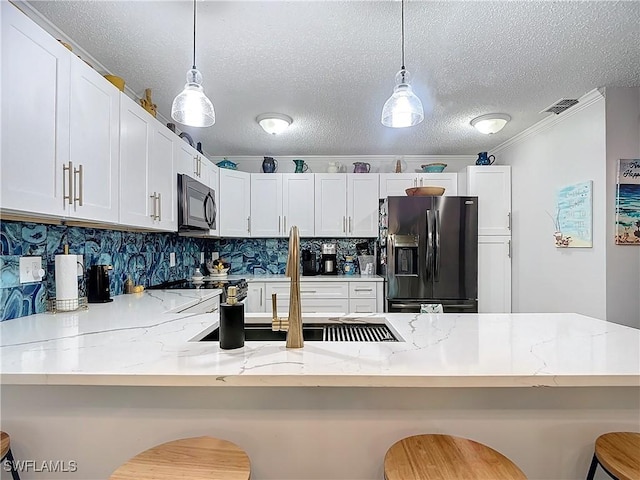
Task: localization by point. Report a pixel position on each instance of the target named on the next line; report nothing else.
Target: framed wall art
(574, 216)
(627, 229)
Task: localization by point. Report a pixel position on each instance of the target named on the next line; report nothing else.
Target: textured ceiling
(331, 65)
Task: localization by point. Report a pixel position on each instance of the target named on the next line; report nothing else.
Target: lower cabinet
(317, 297)
(494, 274)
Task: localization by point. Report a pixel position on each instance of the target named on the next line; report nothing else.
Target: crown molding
(586, 100)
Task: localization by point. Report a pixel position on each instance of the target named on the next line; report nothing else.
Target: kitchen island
(538, 387)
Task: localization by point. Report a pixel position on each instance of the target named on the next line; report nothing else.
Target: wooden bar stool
(5, 453)
(618, 453)
(198, 458)
(445, 457)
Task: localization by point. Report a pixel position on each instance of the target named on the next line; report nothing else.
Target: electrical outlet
(172, 259)
(31, 269)
(215, 255)
(80, 271)
(201, 257)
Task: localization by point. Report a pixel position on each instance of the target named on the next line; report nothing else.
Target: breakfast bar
(132, 374)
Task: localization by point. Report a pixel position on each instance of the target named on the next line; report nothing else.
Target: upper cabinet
(35, 117)
(281, 201)
(492, 185)
(60, 127)
(234, 210)
(395, 184)
(346, 205)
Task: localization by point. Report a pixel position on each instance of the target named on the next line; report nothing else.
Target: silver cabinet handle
(344, 224)
(421, 181)
(279, 222)
(195, 165)
(154, 198)
(509, 220)
(415, 182)
(69, 169)
(248, 224)
(509, 249)
(260, 296)
(350, 228)
(159, 206)
(284, 230)
(363, 289)
(199, 166)
(307, 291)
(78, 171)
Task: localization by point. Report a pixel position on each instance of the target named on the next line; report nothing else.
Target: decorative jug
(484, 159)
(334, 167)
(269, 165)
(301, 167)
(361, 167)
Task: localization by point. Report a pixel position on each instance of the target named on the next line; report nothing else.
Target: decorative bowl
(425, 191)
(215, 270)
(226, 163)
(434, 167)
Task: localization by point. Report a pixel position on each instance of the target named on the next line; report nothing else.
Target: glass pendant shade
(192, 107)
(404, 108)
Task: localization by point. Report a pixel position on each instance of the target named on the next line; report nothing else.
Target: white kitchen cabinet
(148, 186)
(494, 274)
(192, 163)
(35, 117)
(280, 201)
(256, 298)
(234, 209)
(346, 205)
(492, 185)
(395, 184)
(94, 132)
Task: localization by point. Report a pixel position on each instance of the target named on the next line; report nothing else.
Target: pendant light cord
(403, 35)
(194, 35)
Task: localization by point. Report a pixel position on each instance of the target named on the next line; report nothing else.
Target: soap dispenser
(231, 321)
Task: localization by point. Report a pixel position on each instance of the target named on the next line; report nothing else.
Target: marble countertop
(139, 340)
(315, 278)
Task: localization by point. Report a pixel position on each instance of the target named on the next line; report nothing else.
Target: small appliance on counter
(328, 259)
(309, 266)
(98, 290)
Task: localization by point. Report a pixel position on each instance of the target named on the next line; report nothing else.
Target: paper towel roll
(66, 282)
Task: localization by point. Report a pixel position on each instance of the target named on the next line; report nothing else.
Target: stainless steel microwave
(197, 209)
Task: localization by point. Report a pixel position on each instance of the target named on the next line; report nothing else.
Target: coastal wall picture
(628, 202)
(573, 216)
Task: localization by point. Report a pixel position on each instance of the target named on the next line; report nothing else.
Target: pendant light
(404, 108)
(192, 107)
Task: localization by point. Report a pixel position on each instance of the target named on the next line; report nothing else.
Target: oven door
(197, 206)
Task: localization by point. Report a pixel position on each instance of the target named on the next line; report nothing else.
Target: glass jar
(349, 266)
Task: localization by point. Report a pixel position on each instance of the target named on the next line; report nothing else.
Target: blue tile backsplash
(143, 256)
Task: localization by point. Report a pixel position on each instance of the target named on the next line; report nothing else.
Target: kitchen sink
(317, 332)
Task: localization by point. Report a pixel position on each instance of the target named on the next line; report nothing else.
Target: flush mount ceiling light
(491, 123)
(274, 123)
(404, 108)
(192, 107)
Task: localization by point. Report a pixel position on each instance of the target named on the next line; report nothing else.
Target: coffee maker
(98, 290)
(328, 259)
(309, 263)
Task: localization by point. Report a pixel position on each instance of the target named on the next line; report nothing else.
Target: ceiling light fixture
(404, 108)
(274, 123)
(192, 107)
(491, 123)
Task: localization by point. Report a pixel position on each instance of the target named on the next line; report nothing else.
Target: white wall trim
(587, 99)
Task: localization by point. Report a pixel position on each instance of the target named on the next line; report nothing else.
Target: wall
(559, 151)
(623, 141)
(143, 256)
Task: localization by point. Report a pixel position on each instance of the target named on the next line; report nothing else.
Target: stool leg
(14, 472)
(592, 468)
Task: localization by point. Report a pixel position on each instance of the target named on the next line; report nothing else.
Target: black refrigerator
(429, 252)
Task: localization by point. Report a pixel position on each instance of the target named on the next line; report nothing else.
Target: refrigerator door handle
(436, 246)
(429, 252)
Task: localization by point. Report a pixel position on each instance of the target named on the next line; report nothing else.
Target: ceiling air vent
(560, 106)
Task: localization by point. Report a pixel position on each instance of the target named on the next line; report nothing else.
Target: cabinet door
(395, 184)
(162, 179)
(447, 180)
(35, 116)
(492, 185)
(330, 205)
(362, 205)
(188, 161)
(298, 197)
(266, 207)
(235, 203)
(494, 274)
(94, 113)
(136, 134)
(255, 302)
(362, 305)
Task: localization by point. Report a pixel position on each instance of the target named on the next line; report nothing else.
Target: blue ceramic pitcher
(301, 167)
(269, 165)
(484, 159)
